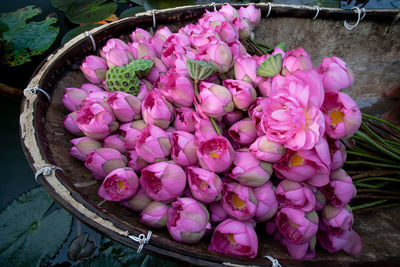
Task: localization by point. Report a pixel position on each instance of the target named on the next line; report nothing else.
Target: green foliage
(270, 66)
(281, 46)
(81, 247)
(62, 5)
(199, 70)
(90, 11)
(76, 31)
(100, 261)
(31, 231)
(24, 40)
(161, 4)
(130, 12)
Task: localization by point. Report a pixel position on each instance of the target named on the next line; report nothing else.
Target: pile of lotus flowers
(199, 136)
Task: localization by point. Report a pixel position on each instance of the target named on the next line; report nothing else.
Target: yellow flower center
(203, 185)
(231, 239)
(296, 160)
(121, 185)
(336, 117)
(214, 155)
(237, 202)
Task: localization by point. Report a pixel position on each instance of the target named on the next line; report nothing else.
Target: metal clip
(141, 239)
(214, 5)
(91, 38)
(35, 90)
(46, 171)
(269, 9)
(275, 262)
(316, 15)
(153, 12)
(359, 18)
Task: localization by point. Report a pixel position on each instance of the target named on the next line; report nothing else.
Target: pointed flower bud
(153, 144)
(126, 107)
(215, 154)
(243, 132)
(83, 146)
(295, 195)
(102, 161)
(184, 149)
(215, 100)
(73, 98)
(267, 204)
(239, 201)
(267, 150)
(94, 68)
(115, 141)
(204, 185)
(156, 110)
(340, 189)
(154, 214)
(120, 184)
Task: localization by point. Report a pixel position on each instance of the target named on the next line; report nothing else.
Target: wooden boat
(372, 49)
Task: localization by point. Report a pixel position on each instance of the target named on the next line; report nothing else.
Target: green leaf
(137, 2)
(199, 70)
(90, 11)
(130, 12)
(76, 31)
(62, 5)
(17, 19)
(31, 231)
(396, 3)
(270, 66)
(161, 4)
(100, 261)
(81, 247)
(124, 254)
(281, 46)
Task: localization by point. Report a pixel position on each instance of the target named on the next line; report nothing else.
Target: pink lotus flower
(338, 153)
(215, 154)
(321, 200)
(126, 107)
(159, 38)
(156, 110)
(229, 12)
(153, 144)
(203, 128)
(90, 88)
(303, 166)
(295, 195)
(340, 189)
(235, 238)
(342, 115)
(291, 116)
(184, 119)
(187, 220)
(131, 132)
(336, 75)
(218, 214)
(237, 49)
(102, 161)
(113, 43)
(266, 150)
(138, 202)
(267, 204)
(270, 85)
(144, 88)
(220, 56)
(243, 27)
(70, 124)
(227, 32)
(158, 69)
(135, 161)
(96, 120)
(215, 100)
(83, 146)
(184, 149)
(252, 14)
(233, 116)
(176, 88)
(204, 185)
(302, 251)
(94, 68)
(256, 113)
(243, 94)
(296, 225)
(140, 35)
(115, 141)
(239, 201)
(170, 52)
(243, 132)
(141, 49)
(120, 184)
(246, 69)
(154, 214)
(248, 170)
(294, 60)
(117, 57)
(163, 181)
(73, 98)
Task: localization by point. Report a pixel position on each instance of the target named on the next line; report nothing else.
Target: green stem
(369, 196)
(370, 204)
(393, 143)
(376, 186)
(215, 126)
(256, 47)
(366, 116)
(361, 154)
(383, 206)
(389, 179)
(379, 191)
(265, 46)
(380, 139)
(373, 143)
(384, 165)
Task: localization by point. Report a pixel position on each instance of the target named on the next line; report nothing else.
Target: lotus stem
(389, 179)
(215, 126)
(384, 165)
(265, 46)
(379, 191)
(380, 185)
(361, 154)
(369, 196)
(382, 207)
(365, 174)
(391, 125)
(380, 148)
(370, 204)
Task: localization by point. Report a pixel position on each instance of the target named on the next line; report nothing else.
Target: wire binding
(153, 12)
(359, 17)
(87, 33)
(269, 9)
(142, 240)
(46, 171)
(316, 15)
(37, 89)
(275, 262)
(213, 4)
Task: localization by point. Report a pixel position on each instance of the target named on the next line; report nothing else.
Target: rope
(153, 12)
(46, 171)
(141, 239)
(35, 90)
(316, 15)
(269, 10)
(359, 18)
(275, 262)
(91, 38)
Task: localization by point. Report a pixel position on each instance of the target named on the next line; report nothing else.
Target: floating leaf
(90, 11)
(25, 40)
(81, 247)
(130, 12)
(270, 66)
(161, 4)
(396, 4)
(31, 231)
(124, 254)
(100, 261)
(62, 5)
(76, 31)
(199, 70)
(137, 2)
(122, 1)
(281, 46)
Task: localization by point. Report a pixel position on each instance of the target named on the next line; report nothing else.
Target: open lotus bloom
(163, 181)
(204, 185)
(184, 119)
(94, 68)
(239, 201)
(215, 154)
(83, 146)
(336, 75)
(218, 214)
(156, 110)
(342, 115)
(215, 100)
(184, 149)
(154, 214)
(73, 98)
(131, 132)
(188, 220)
(267, 150)
(126, 107)
(267, 204)
(115, 141)
(120, 184)
(295, 195)
(235, 238)
(340, 189)
(102, 161)
(153, 144)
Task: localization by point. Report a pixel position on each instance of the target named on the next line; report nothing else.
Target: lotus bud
(243, 94)
(126, 107)
(246, 69)
(235, 238)
(163, 181)
(70, 124)
(156, 110)
(267, 203)
(338, 153)
(153, 144)
(215, 154)
(239, 201)
(73, 98)
(187, 220)
(267, 150)
(203, 128)
(158, 69)
(233, 116)
(229, 12)
(336, 75)
(302, 251)
(90, 88)
(295, 195)
(220, 56)
(134, 161)
(340, 189)
(227, 32)
(94, 68)
(251, 14)
(115, 141)
(83, 146)
(296, 60)
(131, 132)
(138, 202)
(215, 100)
(243, 132)
(205, 186)
(159, 38)
(117, 57)
(113, 43)
(102, 161)
(140, 35)
(184, 119)
(144, 88)
(120, 184)
(141, 49)
(218, 214)
(154, 214)
(184, 149)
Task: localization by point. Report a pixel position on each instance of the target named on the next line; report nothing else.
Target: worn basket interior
(372, 50)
